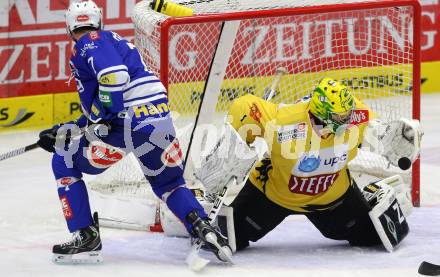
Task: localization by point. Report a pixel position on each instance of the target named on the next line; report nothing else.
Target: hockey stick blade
(429, 269)
(194, 261)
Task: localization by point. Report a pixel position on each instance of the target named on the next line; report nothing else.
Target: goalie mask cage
(229, 48)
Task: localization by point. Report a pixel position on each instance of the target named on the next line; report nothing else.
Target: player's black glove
(48, 138)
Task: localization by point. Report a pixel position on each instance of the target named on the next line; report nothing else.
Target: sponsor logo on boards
(21, 116)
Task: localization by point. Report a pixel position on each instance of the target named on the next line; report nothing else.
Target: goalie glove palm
(396, 140)
(403, 136)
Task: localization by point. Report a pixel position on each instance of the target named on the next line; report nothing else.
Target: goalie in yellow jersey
(310, 144)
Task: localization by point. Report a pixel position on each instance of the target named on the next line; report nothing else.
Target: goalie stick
(194, 261)
(429, 269)
(212, 87)
(273, 89)
(268, 95)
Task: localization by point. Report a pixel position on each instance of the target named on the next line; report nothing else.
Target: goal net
(229, 48)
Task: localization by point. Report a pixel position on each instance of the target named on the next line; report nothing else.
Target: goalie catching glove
(398, 140)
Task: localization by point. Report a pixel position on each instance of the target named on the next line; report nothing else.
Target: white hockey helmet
(83, 13)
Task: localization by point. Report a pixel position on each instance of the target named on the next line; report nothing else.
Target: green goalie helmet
(332, 103)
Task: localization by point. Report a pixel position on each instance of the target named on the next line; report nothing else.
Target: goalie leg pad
(402, 192)
(225, 222)
(389, 220)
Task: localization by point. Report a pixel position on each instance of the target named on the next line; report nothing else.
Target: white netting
(369, 50)
(126, 172)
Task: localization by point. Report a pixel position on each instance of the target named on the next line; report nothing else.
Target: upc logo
(309, 164)
(335, 160)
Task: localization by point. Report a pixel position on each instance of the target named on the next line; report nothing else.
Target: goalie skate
(85, 246)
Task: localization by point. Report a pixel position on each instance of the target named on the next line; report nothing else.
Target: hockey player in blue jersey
(125, 109)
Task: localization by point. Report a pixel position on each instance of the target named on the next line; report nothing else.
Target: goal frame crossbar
(332, 8)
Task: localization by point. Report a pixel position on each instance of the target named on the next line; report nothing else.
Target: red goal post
(371, 46)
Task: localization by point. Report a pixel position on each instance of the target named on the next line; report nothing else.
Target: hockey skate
(85, 246)
(212, 239)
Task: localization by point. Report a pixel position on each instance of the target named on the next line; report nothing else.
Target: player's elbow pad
(111, 90)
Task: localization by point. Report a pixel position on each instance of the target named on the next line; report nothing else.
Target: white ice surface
(31, 222)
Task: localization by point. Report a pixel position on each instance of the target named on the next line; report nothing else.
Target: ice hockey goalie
(310, 145)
